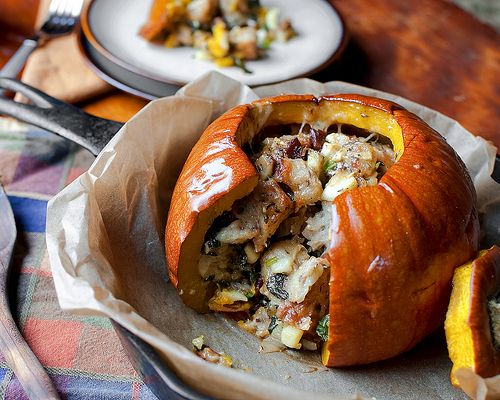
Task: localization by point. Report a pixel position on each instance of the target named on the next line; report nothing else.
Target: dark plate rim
(86, 31)
(85, 50)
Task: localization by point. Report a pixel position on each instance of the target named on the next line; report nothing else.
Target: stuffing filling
(265, 255)
(209, 354)
(494, 312)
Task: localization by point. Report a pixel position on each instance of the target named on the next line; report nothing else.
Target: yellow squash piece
(224, 62)
(469, 322)
(218, 44)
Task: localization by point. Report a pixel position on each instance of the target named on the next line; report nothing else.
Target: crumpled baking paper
(105, 242)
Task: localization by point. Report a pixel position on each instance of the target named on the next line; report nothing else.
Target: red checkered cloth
(82, 355)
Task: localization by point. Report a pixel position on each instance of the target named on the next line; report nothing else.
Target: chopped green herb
(322, 328)
(265, 44)
(253, 276)
(273, 324)
(241, 64)
(199, 342)
(378, 164)
(330, 165)
(249, 295)
(271, 261)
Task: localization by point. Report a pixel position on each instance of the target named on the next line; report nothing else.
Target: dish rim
(87, 52)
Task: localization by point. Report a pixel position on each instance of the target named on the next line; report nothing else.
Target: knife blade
(15, 350)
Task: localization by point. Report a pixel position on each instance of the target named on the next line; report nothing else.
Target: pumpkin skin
(394, 246)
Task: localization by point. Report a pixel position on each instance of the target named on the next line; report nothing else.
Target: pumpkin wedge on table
(472, 323)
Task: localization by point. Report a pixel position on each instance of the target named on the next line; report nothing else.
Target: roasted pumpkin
(392, 243)
(472, 323)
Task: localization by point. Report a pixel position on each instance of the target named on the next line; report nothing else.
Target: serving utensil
(62, 17)
(16, 351)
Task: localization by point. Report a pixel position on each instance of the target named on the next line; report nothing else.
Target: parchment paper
(105, 242)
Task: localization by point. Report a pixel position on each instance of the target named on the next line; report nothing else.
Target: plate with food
(176, 41)
(306, 233)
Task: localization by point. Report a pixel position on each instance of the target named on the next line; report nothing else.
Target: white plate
(320, 38)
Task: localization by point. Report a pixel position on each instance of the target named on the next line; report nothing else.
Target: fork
(61, 19)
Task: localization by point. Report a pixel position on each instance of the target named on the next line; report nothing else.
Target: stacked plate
(110, 42)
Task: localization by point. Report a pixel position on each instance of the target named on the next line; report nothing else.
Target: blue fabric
(30, 214)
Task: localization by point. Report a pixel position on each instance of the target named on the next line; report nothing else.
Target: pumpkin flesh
(471, 324)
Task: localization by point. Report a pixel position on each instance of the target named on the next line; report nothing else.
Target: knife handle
(55, 116)
(20, 358)
(16, 351)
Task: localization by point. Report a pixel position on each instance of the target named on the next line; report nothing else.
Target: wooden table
(429, 51)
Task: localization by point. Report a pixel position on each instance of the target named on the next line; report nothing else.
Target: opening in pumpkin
(264, 256)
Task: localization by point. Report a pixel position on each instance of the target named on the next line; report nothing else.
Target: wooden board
(429, 51)
(17, 16)
(17, 20)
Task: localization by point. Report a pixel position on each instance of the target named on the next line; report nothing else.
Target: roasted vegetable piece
(473, 320)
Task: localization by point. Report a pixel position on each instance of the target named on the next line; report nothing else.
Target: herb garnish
(241, 64)
(271, 261)
(322, 328)
(330, 165)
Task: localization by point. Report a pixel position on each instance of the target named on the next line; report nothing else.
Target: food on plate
(228, 32)
(472, 323)
(332, 222)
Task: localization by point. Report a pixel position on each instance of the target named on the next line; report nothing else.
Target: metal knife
(16, 351)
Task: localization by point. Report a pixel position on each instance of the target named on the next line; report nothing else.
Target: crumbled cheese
(494, 311)
(199, 342)
(314, 161)
(338, 184)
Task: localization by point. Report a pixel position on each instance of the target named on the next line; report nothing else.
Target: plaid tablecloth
(82, 355)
